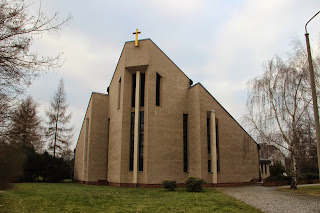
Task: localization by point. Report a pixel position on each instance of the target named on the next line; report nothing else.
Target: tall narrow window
(209, 165)
(141, 141)
(131, 142)
(217, 146)
(185, 142)
(208, 135)
(158, 89)
(142, 89)
(119, 93)
(133, 92)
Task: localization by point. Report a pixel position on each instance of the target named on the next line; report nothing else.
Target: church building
(154, 124)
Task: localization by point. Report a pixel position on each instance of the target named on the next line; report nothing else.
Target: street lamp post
(314, 94)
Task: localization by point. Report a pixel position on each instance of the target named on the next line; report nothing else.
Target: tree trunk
(55, 134)
(294, 181)
(55, 140)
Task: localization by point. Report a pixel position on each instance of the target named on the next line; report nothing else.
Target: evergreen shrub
(194, 184)
(277, 169)
(170, 185)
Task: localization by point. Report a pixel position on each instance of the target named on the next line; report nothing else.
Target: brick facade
(104, 144)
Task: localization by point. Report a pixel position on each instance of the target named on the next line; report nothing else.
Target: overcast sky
(221, 44)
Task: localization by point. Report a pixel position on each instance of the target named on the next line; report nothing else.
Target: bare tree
(18, 30)
(59, 133)
(67, 153)
(19, 27)
(280, 106)
(25, 127)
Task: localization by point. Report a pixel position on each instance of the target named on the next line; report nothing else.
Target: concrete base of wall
(140, 185)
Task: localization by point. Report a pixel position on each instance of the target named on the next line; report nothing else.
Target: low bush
(56, 169)
(45, 167)
(170, 185)
(194, 184)
(11, 162)
(275, 178)
(309, 176)
(306, 176)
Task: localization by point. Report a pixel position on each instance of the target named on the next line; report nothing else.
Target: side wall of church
(91, 149)
(238, 153)
(80, 167)
(97, 149)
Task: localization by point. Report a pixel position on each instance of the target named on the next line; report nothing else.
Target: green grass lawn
(306, 190)
(70, 197)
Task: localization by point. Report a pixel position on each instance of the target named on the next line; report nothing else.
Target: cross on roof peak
(136, 41)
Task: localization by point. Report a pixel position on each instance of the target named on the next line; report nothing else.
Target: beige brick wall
(237, 151)
(194, 136)
(96, 155)
(80, 173)
(164, 154)
(97, 152)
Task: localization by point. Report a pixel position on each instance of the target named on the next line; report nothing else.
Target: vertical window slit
(133, 92)
(217, 146)
(142, 80)
(141, 141)
(158, 78)
(131, 142)
(185, 142)
(209, 165)
(208, 135)
(119, 93)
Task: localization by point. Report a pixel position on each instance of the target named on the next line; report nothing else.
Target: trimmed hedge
(310, 176)
(307, 178)
(273, 178)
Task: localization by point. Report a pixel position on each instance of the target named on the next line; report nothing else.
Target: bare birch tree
(280, 105)
(59, 132)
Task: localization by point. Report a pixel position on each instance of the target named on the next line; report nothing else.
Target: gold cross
(136, 42)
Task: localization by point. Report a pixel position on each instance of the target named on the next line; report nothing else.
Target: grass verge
(305, 190)
(70, 197)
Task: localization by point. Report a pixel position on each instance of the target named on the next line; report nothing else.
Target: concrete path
(268, 199)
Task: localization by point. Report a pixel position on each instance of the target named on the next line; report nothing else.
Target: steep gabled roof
(154, 45)
(223, 109)
(184, 75)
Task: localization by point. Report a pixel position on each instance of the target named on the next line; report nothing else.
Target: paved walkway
(268, 199)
